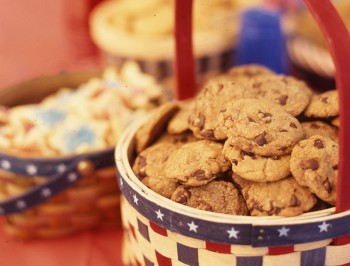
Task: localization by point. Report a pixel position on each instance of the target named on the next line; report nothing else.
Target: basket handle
(338, 41)
(61, 174)
(184, 59)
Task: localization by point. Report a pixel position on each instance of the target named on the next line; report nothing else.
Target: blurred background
(38, 38)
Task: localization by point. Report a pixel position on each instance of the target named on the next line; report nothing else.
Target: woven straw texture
(146, 243)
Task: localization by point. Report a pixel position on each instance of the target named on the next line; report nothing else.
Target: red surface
(36, 40)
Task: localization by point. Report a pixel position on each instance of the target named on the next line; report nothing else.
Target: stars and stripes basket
(158, 231)
(45, 197)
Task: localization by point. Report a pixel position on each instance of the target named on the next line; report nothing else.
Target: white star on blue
(136, 200)
(72, 177)
(21, 204)
(192, 226)
(5, 164)
(46, 192)
(324, 227)
(283, 231)
(159, 215)
(61, 168)
(232, 233)
(31, 169)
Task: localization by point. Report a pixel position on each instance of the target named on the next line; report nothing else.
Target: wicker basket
(159, 231)
(80, 192)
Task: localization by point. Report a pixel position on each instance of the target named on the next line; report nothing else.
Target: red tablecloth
(35, 41)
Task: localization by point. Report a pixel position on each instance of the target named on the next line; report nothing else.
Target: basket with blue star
(188, 198)
(57, 138)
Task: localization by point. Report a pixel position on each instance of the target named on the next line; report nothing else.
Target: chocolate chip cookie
(323, 105)
(255, 167)
(291, 94)
(179, 122)
(282, 198)
(216, 196)
(314, 164)
(260, 127)
(149, 168)
(155, 125)
(319, 128)
(203, 120)
(197, 163)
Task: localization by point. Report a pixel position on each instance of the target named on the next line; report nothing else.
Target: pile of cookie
(251, 142)
(77, 120)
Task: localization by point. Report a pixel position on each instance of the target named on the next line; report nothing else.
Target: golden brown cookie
(261, 127)
(255, 167)
(179, 122)
(197, 163)
(319, 128)
(155, 125)
(314, 164)
(290, 93)
(216, 196)
(203, 120)
(323, 105)
(149, 168)
(282, 198)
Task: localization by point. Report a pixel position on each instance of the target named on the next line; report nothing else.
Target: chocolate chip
(282, 100)
(182, 196)
(142, 162)
(327, 186)
(273, 209)
(208, 134)
(309, 164)
(318, 144)
(260, 139)
(257, 85)
(335, 167)
(324, 99)
(235, 162)
(223, 110)
(220, 86)
(292, 125)
(314, 125)
(142, 175)
(257, 206)
(283, 148)
(262, 114)
(294, 201)
(250, 154)
(200, 175)
(251, 120)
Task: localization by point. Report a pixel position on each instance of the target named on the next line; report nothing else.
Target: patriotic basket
(50, 197)
(158, 231)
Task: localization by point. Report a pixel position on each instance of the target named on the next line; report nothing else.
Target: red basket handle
(184, 59)
(338, 41)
